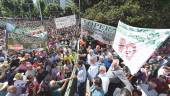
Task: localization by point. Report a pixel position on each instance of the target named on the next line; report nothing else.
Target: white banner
(66, 21)
(135, 45)
(33, 31)
(39, 32)
(101, 32)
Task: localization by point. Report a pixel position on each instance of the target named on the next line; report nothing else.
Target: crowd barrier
(72, 84)
(88, 93)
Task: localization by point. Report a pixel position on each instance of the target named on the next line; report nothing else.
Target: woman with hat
(19, 83)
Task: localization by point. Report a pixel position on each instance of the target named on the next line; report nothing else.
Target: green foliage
(53, 9)
(26, 9)
(68, 11)
(141, 13)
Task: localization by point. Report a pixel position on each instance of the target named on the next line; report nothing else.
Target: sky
(62, 3)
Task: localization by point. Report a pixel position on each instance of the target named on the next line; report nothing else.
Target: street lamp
(79, 14)
(39, 8)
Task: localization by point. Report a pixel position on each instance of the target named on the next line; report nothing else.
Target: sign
(25, 40)
(135, 45)
(33, 31)
(103, 33)
(66, 21)
(16, 47)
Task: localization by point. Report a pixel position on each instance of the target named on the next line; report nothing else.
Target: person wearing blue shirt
(81, 78)
(97, 50)
(96, 89)
(108, 61)
(100, 61)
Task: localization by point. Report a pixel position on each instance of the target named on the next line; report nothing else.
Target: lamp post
(79, 14)
(39, 8)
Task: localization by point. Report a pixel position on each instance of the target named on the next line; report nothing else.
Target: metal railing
(88, 93)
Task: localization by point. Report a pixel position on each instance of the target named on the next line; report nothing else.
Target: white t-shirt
(93, 71)
(105, 82)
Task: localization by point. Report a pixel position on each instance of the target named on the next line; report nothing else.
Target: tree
(141, 13)
(53, 9)
(68, 11)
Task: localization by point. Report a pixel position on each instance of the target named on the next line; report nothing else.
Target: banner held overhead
(66, 21)
(136, 45)
(101, 32)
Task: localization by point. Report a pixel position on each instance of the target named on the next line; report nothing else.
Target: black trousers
(82, 89)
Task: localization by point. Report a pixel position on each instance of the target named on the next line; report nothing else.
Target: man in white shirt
(105, 79)
(93, 69)
(90, 55)
(100, 61)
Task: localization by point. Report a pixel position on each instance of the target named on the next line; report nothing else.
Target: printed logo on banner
(127, 48)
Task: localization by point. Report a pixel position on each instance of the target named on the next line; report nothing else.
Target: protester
(19, 83)
(118, 77)
(104, 78)
(108, 61)
(93, 69)
(90, 56)
(81, 78)
(149, 89)
(96, 89)
(12, 90)
(100, 62)
(55, 88)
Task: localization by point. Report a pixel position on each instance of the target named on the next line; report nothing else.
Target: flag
(135, 45)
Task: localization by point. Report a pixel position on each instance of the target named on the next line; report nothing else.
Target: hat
(4, 65)
(3, 85)
(18, 76)
(22, 59)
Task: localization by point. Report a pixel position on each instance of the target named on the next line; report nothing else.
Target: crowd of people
(151, 80)
(47, 71)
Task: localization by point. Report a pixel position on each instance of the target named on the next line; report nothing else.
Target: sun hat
(18, 76)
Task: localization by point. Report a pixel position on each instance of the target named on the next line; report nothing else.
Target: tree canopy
(27, 9)
(141, 13)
